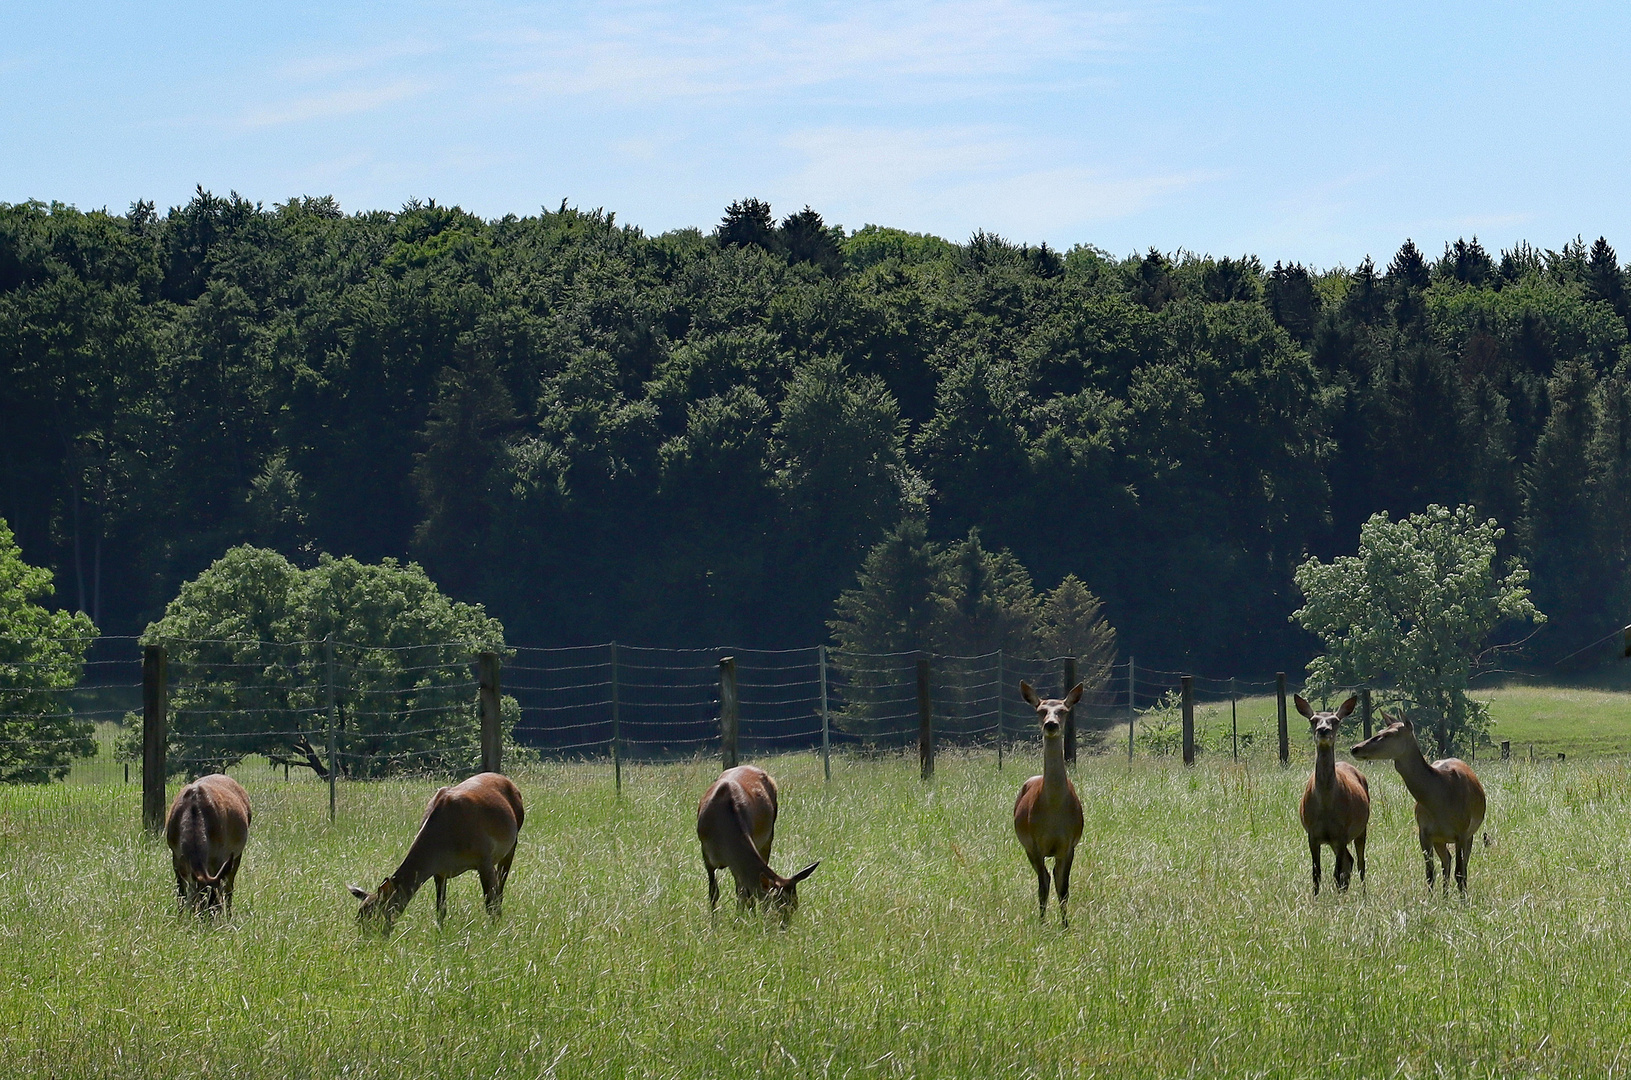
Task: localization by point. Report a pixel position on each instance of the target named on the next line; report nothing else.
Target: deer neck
(1055, 780)
(1423, 782)
(1325, 768)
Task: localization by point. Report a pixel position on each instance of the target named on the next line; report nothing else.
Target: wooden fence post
(155, 734)
(1506, 749)
(1364, 709)
(1070, 717)
(1234, 718)
(729, 716)
(1132, 713)
(1187, 685)
(1001, 734)
(492, 741)
(617, 734)
(333, 739)
(826, 721)
(1285, 736)
(925, 720)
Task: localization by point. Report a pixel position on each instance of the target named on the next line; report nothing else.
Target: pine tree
(1073, 624)
(748, 223)
(1292, 300)
(1557, 524)
(1604, 280)
(805, 238)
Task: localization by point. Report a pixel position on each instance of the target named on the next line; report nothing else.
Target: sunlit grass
(1194, 947)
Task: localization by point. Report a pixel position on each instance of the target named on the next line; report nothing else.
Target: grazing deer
(1336, 803)
(469, 826)
(1047, 814)
(1449, 798)
(736, 823)
(208, 825)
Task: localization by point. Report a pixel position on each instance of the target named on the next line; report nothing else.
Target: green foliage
(1413, 610)
(959, 600)
(42, 653)
(248, 641)
(695, 437)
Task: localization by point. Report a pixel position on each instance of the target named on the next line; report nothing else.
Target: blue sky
(1299, 131)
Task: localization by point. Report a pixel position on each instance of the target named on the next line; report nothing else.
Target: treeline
(696, 438)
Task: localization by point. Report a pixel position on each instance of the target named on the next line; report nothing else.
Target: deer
(736, 824)
(1449, 798)
(207, 826)
(467, 826)
(1048, 814)
(1335, 807)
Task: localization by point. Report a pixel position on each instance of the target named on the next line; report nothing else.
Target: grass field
(1195, 948)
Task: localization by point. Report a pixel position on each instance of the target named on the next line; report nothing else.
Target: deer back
(467, 825)
(207, 825)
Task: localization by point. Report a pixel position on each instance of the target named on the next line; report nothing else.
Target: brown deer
(736, 823)
(1449, 798)
(1335, 808)
(208, 826)
(469, 826)
(1047, 814)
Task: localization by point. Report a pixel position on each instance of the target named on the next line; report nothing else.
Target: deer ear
(767, 882)
(1302, 705)
(806, 872)
(358, 891)
(1074, 696)
(1347, 707)
(1027, 693)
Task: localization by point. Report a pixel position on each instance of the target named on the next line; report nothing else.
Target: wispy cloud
(331, 104)
(967, 176)
(641, 53)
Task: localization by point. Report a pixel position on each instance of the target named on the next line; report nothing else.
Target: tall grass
(1194, 949)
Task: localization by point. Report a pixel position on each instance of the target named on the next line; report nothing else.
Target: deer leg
(492, 888)
(1427, 857)
(1041, 869)
(1444, 857)
(229, 876)
(713, 888)
(1314, 854)
(1061, 883)
(1463, 850)
(1359, 851)
(504, 873)
(1344, 867)
(441, 899)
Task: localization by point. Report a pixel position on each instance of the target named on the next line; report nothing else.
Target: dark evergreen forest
(695, 438)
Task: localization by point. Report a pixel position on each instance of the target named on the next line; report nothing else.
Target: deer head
(1051, 712)
(381, 907)
(1325, 725)
(1396, 741)
(782, 894)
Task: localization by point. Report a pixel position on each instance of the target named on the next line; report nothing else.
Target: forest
(696, 438)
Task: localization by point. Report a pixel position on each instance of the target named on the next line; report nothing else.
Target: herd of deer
(473, 825)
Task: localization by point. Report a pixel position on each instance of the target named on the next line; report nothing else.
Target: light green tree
(249, 650)
(1413, 609)
(41, 655)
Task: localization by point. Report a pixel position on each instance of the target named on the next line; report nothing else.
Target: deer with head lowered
(208, 826)
(736, 823)
(1335, 808)
(468, 826)
(1449, 798)
(1047, 814)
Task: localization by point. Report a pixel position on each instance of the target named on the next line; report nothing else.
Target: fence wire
(301, 709)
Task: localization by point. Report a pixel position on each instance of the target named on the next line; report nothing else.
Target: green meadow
(1195, 948)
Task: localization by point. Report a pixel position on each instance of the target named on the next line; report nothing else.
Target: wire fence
(308, 709)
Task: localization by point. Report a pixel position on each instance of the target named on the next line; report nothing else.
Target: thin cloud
(954, 180)
(975, 46)
(334, 104)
